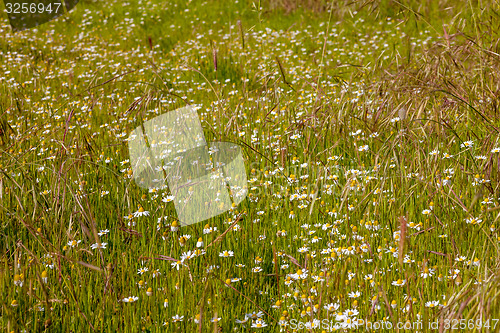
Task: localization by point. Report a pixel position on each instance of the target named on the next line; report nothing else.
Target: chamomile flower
(174, 226)
(177, 318)
(259, 323)
(19, 280)
(241, 321)
(103, 232)
(142, 270)
(331, 307)
(130, 299)
(98, 246)
(177, 264)
(426, 211)
(141, 212)
(169, 198)
(44, 276)
(254, 315)
(427, 272)
(467, 144)
(399, 283)
(432, 304)
(303, 249)
(74, 243)
(226, 254)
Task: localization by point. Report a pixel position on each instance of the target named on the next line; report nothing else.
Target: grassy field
(370, 133)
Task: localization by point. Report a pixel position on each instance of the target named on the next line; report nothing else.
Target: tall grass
(363, 126)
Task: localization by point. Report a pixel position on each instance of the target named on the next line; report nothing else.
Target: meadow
(371, 138)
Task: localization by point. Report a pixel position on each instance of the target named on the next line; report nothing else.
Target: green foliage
(351, 115)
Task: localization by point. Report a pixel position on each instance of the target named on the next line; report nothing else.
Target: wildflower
(14, 303)
(177, 318)
(426, 211)
(226, 254)
(303, 249)
(399, 283)
(432, 304)
(277, 305)
(142, 270)
(103, 232)
(211, 268)
(74, 243)
(98, 246)
(332, 307)
(177, 264)
(257, 269)
(165, 303)
(44, 276)
(446, 155)
(363, 148)
(175, 226)
(496, 150)
(473, 220)
(168, 198)
(149, 292)
(254, 315)
(130, 299)
(200, 243)
(487, 201)
(259, 323)
(392, 250)
(467, 144)
(241, 321)
(301, 274)
(141, 212)
(350, 313)
(207, 229)
(427, 272)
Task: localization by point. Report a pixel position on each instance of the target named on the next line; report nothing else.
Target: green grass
(303, 87)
